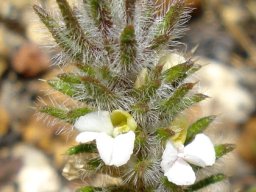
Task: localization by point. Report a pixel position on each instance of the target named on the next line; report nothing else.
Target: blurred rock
(11, 41)
(3, 66)
(228, 98)
(247, 77)
(213, 41)
(9, 167)
(36, 175)
(247, 142)
(43, 134)
(8, 188)
(16, 98)
(29, 60)
(3, 48)
(76, 170)
(4, 121)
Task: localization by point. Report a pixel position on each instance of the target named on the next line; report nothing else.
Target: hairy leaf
(82, 148)
(63, 87)
(171, 17)
(68, 116)
(170, 186)
(74, 27)
(54, 111)
(223, 149)
(100, 12)
(177, 72)
(177, 96)
(61, 36)
(70, 78)
(128, 47)
(87, 189)
(185, 103)
(165, 133)
(129, 9)
(198, 127)
(75, 113)
(87, 69)
(205, 182)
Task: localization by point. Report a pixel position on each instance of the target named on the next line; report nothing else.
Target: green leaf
(61, 37)
(94, 163)
(68, 116)
(177, 96)
(223, 149)
(185, 103)
(177, 72)
(171, 186)
(205, 182)
(63, 87)
(53, 111)
(75, 113)
(96, 84)
(160, 41)
(82, 148)
(165, 133)
(70, 78)
(72, 24)
(148, 90)
(88, 189)
(196, 98)
(128, 46)
(101, 15)
(129, 10)
(198, 127)
(170, 19)
(109, 189)
(86, 68)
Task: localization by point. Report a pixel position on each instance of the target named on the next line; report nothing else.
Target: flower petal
(200, 151)
(122, 121)
(105, 145)
(85, 137)
(180, 173)
(98, 121)
(169, 156)
(123, 148)
(115, 151)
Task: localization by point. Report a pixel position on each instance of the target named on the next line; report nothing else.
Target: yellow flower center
(122, 121)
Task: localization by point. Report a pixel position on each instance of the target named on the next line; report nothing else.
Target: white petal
(200, 151)
(105, 145)
(85, 137)
(98, 121)
(181, 173)
(169, 156)
(123, 148)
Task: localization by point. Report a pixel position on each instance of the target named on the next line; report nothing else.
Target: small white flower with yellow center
(176, 159)
(113, 132)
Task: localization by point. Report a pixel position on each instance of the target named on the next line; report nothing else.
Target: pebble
(228, 98)
(29, 60)
(36, 174)
(3, 66)
(4, 119)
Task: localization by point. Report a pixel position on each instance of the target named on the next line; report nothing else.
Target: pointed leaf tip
(205, 182)
(198, 127)
(82, 148)
(223, 149)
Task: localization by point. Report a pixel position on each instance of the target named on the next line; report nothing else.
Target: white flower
(113, 132)
(176, 159)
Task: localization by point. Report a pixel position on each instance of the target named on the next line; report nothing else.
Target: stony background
(32, 153)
